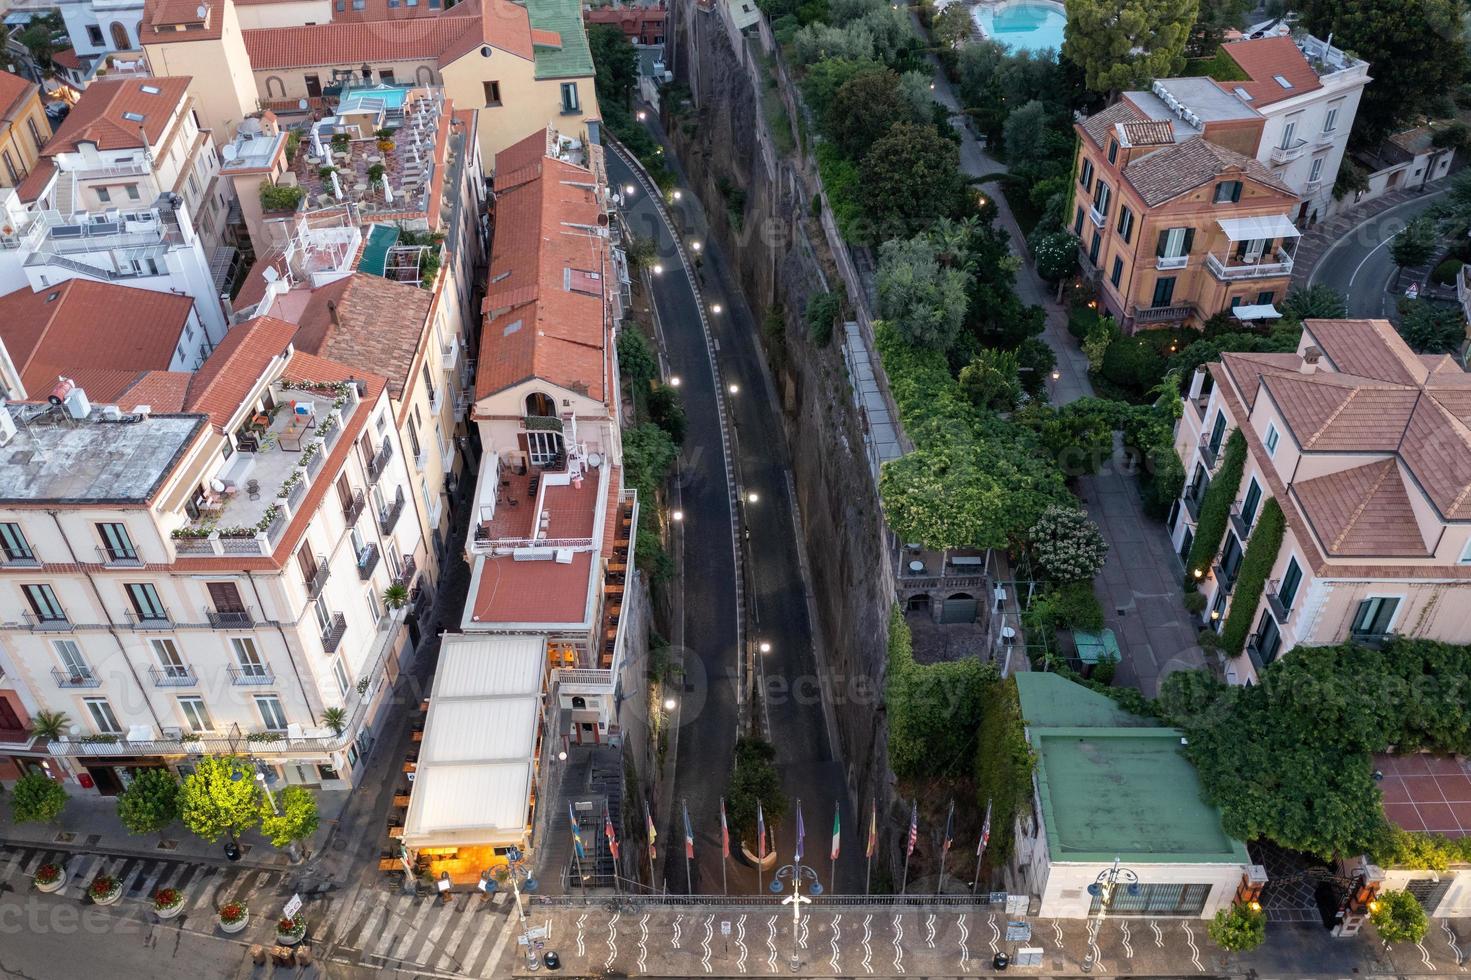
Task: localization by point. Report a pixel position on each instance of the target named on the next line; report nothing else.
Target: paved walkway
(1317, 241)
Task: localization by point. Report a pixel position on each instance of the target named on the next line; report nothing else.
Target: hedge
(1210, 529)
(1261, 554)
(1003, 767)
(934, 710)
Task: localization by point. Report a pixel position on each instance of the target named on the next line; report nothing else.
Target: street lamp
(678, 195)
(753, 497)
(674, 381)
(715, 308)
(628, 191)
(642, 115)
(1056, 375)
(517, 874)
(695, 246)
(668, 704)
(677, 516)
(734, 388)
(260, 777)
(658, 269)
(796, 873)
(1108, 879)
(765, 647)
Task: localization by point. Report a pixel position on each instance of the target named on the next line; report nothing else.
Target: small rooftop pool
(1023, 25)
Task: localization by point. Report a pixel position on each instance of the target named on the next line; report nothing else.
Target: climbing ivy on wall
(1261, 553)
(1211, 528)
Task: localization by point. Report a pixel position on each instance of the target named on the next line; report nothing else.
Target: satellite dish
(485, 51)
(228, 152)
(218, 486)
(202, 11)
(270, 275)
(301, 103)
(594, 460)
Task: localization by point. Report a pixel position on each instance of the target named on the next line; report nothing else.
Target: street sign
(725, 927)
(1028, 956)
(998, 898)
(1017, 904)
(292, 907)
(538, 932)
(1018, 932)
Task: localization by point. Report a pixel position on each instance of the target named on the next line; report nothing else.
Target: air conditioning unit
(173, 733)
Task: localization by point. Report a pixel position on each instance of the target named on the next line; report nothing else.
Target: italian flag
(837, 832)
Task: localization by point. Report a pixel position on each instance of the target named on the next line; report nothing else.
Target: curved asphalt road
(777, 601)
(1358, 266)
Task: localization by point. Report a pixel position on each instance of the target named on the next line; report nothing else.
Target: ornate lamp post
(796, 874)
(516, 874)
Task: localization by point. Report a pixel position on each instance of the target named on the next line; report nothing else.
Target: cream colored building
(1365, 447)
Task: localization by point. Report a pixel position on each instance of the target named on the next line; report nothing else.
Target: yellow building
(519, 66)
(23, 128)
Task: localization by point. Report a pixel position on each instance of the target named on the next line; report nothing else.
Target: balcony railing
(388, 515)
(251, 675)
(158, 620)
(354, 509)
(1281, 610)
(1254, 652)
(406, 572)
(1282, 266)
(541, 423)
(19, 561)
(1193, 500)
(1238, 524)
(1164, 263)
(584, 677)
(113, 559)
(1226, 577)
(176, 676)
(1290, 152)
(379, 463)
(367, 561)
(1095, 216)
(332, 636)
(1162, 314)
(230, 620)
(1375, 640)
(319, 578)
(1208, 453)
(75, 677)
(50, 623)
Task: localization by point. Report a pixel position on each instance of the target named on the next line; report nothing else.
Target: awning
(1265, 311)
(1260, 228)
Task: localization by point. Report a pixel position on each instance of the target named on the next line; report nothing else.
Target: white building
(100, 27)
(200, 567)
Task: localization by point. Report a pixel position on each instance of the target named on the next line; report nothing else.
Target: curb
(154, 855)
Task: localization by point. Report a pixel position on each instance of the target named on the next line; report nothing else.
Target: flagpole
(649, 823)
(689, 888)
(909, 845)
(873, 815)
(945, 851)
(981, 847)
(612, 846)
(724, 847)
(832, 854)
(904, 883)
(577, 848)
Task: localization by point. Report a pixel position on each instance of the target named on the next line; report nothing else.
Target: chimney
(1310, 358)
(332, 312)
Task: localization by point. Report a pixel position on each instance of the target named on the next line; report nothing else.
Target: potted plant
(232, 917)
(339, 142)
(335, 719)
(385, 145)
(50, 878)
(289, 932)
(376, 172)
(104, 890)
(168, 902)
(396, 596)
(50, 724)
(326, 172)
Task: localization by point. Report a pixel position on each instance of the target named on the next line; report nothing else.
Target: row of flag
(689, 833)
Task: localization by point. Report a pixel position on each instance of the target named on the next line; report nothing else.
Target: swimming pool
(1023, 25)
(375, 97)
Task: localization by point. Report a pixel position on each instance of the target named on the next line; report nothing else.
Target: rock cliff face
(762, 216)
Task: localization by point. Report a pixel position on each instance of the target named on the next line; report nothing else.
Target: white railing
(583, 677)
(1250, 270)
(1164, 262)
(1095, 216)
(1290, 152)
(133, 168)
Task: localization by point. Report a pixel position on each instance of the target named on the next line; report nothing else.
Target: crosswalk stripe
(179, 877)
(405, 945)
(370, 927)
(441, 921)
(211, 884)
(463, 919)
(82, 876)
(498, 949)
(149, 883)
(487, 926)
(134, 874)
(35, 862)
(394, 924)
(339, 927)
(10, 868)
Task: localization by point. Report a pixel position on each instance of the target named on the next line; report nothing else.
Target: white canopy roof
(1253, 229)
(476, 762)
(1265, 311)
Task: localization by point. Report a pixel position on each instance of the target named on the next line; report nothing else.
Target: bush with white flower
(1068, 545)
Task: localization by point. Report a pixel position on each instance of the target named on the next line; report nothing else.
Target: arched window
(579, 702)
(275, 88)
(538, 403)
(120, 40)
(424, 75)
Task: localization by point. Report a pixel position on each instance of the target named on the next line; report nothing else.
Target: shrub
(279, 197)
(1073, 606)
(1399, 917)
(1101, 337)
(1080, 321)
(991, 380)
(754, 779)
(822, 311)
(47, 873)
(1195, 603)
(1056, 254)
(1103, 671)
(150, 803)
(666, 411)
(1256, 565)
(232, 912)
(1035, 361)
(1133, 364)
(1239, 928)
(101, 887)
(35, 798)
(167, 898)
(1445, 273)
(1068, 545)
(934, 709)
(1003, 766)
(1210, 529)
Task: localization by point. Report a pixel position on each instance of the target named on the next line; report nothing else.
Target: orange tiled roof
(13, 89)
(545, 309)
(1364, 510)
(170, 21)
(513, 591)
(1100, 124)
(67, 58)
(164, 391)
(218, 388)
(1154, 132)
(98, 117)
(34, 184)
(1263, 59)
(379, 322)
(1176, 169)
(84, 326)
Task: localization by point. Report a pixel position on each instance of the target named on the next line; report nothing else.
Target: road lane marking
(964, 950)
(867, 952)
(705, 943)
(612, 939)
(643, 943)
(771, 944)
(898, 938)
(1194, 949)
(836, 936)
(741, 943)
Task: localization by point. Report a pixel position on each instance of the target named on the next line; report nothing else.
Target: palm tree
(50, 724)
(335, 719)
(396, 596)
(952, 239)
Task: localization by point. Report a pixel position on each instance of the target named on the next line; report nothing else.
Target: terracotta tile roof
(1426, 793)
(218, 388)
(13, 90)
(85, 326)
(1437, 449)
(1265, 58)
(1247, 369)
(165, 391)
(35, 182)
(1328, 413)
(1176, 169)
(1368, 349)
(511, 591)
(172, 21)
(379, 324)
(521, 161)
(1363, 511)
(98, 117)
(545, 309)
(1099, 125)
(1155, 132)
(499, 23)
(67, 58)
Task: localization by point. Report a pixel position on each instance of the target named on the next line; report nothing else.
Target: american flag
(985, 831)
(724, 831)
(760, 833)
(689, 833)
(610, 834)
(913, 829)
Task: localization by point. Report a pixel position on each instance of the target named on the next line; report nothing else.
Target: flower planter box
(53, 886)
(293, 937)
(168, 912)
(230, 928)
(111, 897)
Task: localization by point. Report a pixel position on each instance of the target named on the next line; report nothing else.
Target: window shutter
(1164, 238)
(1235, 192)
(1189, 241)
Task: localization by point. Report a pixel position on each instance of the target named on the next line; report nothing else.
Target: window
(1271, 440)
(324, 615)
(1291, 579)
(229, 607)
(1218, 608)
(94, 35)
(1264, 298)
(414, 439)
(44, 603)
(104, 195)
(195, 715)
(1466, 553)
(1113, 151)
(1175, 243)
(72, 663)
(339, 671)
(1085, 175)
(569, 97)
(1126, 223)
(115, 540)
(1250, 504)
(313, 82)
(1316, 174)
(1230, 561)
(146, 602)
(1094, 246)
(102, 717)
(543, 447)
(1374, 617)
(492, 93)
(1330, 121)
(1078, 221)
(374, 612)
(170, 661)
(1289, 133)
(1268, 638)
(36, 137)
(1153, 899)
(1164, 291)
(14, 544)
(1118, 271)
(1227, 192)
(132, 190)
(271, 714)
(247, 657)
(385, 75)
(10, 168)
(1102, 196)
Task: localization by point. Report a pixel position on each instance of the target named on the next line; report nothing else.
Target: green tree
(1453, 211)
(862, 110)
(1315, 302)
(909, 177)
(296, 820)
(1074, 435)
(1431, 328)
(823, 79)
(43, 36)
(934, 709)
(953, 26)
(816, 42)
(1422, 39)
(36, 798)
(1034, 362)
(823, 310)
(1399, 917)
(991, 380)
(754, 778)
(1123, 44)
(1133, 363)
(220, 798)
(1056, 255)
(923, 301)
(1239, 928)
(1415, 244)
(1215, 18)
(1068, 546)
(615, 64)
(1037, 146)
(150, 803)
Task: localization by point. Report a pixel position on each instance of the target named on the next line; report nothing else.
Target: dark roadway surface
(777, 597)
(1359, 267)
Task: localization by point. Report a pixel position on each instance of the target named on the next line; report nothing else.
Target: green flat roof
(1053, 701)
(574, 58)
(1125, 792)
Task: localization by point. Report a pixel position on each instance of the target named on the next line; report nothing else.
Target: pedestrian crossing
(379, 927)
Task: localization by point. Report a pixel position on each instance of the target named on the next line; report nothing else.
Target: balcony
(115, 559)
(332, 636)
(1193, 498)
(19, 561)
(173, 676)
(58, 624)
(379, 463)
(1375, 640)
(157, 620)
(388, 515)
(406, 572)
(1166, 263)
(541, 423)
(1163, 314)
(421, 459)
(319, 578)
(1095, 216)
(1293, 150)
(353, 510)
(1254, 652)
(1280, 610)
(367, 561)
(74, 677)
(1280, 265)
(1225, 578)
(123, 168)
(1208, 453)
(434, 400)
(236, 619)
(252, 675)
(1238, 524)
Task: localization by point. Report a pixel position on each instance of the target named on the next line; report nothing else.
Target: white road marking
(463, 918)
(741, 943)
(1424, 955)
(867, 951)
(898, 938)
(1128, 949)
(581, 919)
(1159, 937)
(995, 932)
(771, 943)
(643, 943)
(1450, 938)
(705, 943)
(1194, 949)
(1093, 946)
(468, 961)
(500, 943)
(836, 935)
(1057, 932)
(929, 931)
(612, 939)
(802, 934)
(964, 951)
(677, 920)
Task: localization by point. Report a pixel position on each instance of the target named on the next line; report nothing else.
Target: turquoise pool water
(1023, 25)
(386, 96)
